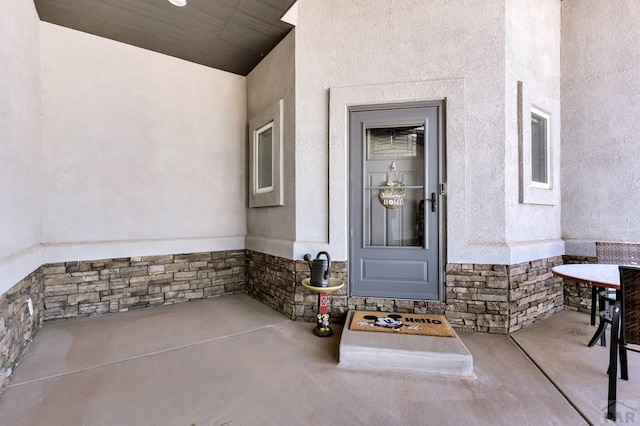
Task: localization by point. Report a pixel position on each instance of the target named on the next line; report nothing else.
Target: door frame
(442, 184)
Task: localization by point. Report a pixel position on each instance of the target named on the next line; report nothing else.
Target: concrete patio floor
(233, 361)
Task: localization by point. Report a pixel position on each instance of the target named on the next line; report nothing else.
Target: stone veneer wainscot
(502, 298)
(277, 282)
(74, 289)
(488, 298)
(77, 289)
(17, 324)
(577, 296)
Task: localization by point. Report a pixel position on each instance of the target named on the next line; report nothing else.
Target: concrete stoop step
(387, 351)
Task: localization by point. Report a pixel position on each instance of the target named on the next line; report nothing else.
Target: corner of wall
(21, 315)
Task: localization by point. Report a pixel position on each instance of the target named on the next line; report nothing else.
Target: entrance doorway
(395, 203)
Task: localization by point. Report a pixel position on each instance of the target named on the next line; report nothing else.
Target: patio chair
(615, 254)
(625, 330)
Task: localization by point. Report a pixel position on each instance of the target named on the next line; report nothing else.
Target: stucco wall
(143, 153)
(600, 126)
(533, 58)
(380, 44)
(20, 142)
(271, 230)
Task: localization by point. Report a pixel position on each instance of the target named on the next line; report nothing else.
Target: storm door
(394, 203)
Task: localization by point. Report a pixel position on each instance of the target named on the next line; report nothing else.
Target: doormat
(419, 324)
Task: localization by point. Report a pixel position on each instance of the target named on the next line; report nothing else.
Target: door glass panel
(394, 142)
(394, 187)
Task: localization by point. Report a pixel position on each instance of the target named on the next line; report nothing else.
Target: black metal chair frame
(619, 339)
(606, 299)
(610, 253)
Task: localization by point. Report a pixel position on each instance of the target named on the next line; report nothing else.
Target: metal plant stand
(322, 328)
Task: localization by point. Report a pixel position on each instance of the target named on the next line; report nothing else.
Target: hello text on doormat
(420, 324)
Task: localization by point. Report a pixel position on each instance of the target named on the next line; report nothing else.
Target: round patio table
(600, 276)
(595, 274)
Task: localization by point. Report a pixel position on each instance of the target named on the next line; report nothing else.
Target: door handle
(432, 200)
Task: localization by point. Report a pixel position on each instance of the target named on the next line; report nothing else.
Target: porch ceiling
(231, 35)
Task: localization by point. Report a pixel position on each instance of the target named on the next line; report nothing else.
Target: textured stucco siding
(600, 126)
(272, 229)
(381, 44)
(143, 153)
(20, 142)
(533, 58)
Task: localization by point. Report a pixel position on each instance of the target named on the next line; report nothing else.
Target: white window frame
(547, 139)
(256, 158)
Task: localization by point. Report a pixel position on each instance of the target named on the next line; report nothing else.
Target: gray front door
(394, 203)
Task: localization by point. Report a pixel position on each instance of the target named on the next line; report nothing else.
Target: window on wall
(537, 158)
(540, 176)
(265, 157)
(263, 160)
